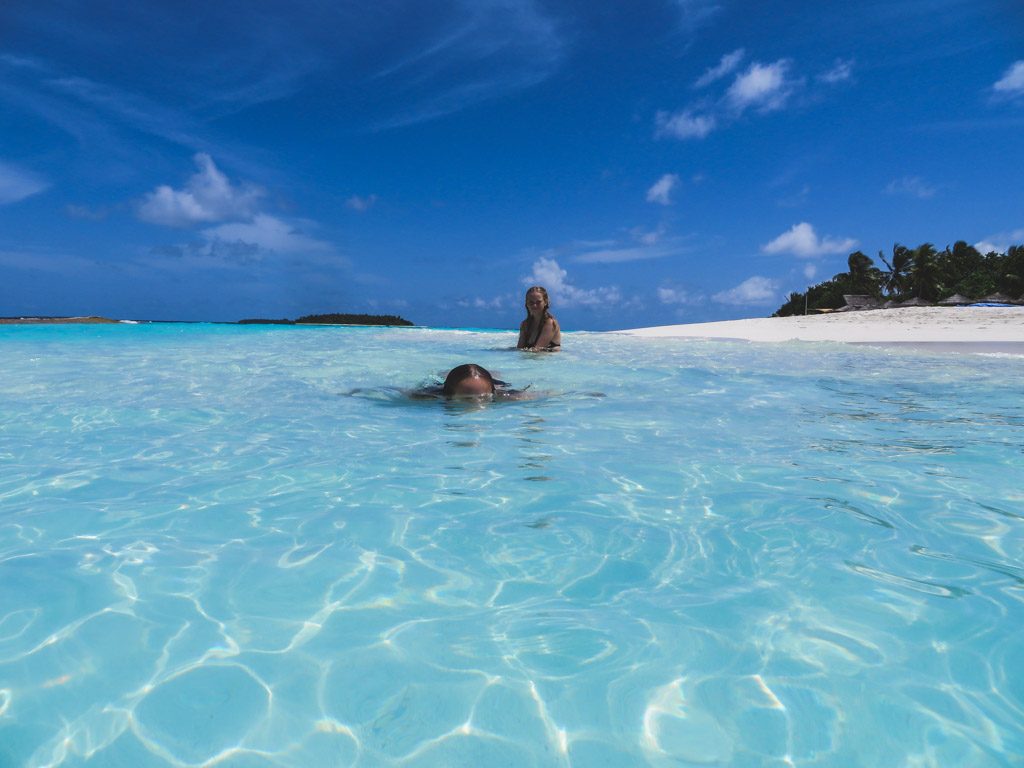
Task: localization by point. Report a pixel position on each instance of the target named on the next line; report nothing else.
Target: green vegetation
(921, 273)
(332, 319)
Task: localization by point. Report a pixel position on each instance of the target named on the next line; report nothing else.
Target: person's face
(473, 386)
(535, 303)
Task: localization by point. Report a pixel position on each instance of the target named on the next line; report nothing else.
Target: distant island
(332, 319)
(45, 319)
(329, 319)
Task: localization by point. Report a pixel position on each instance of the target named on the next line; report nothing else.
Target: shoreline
(970, 329)
(926, 326)
(48, 320)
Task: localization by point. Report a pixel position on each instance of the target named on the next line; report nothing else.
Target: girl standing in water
(539, 331)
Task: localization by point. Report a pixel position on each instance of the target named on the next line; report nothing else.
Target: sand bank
(908, 325)
(43, 320)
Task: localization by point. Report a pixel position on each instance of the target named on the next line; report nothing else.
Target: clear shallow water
(741, 555)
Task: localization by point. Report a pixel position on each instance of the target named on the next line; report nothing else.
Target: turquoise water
(239, 546)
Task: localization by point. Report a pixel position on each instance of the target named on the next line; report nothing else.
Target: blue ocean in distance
(243, 546)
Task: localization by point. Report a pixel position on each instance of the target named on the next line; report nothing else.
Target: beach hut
(998, 298)
(956, 300)
(857, 301)
(917, 301)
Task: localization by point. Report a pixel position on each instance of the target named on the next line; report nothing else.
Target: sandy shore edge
(47, 320)
(907, 325)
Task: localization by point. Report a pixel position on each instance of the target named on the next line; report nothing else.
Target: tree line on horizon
(923, 273)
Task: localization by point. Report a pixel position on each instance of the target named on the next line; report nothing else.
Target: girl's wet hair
(462, 372)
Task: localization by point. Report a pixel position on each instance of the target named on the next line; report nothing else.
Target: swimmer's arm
(521, 344)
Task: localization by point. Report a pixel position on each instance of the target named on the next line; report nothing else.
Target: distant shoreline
(47, 320)
(329, 319)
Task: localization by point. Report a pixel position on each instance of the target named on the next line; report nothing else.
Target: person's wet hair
(468, 379)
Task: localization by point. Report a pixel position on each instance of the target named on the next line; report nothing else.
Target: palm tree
(898, 277)
(1012, 278)
(924, 272)
(864, 275)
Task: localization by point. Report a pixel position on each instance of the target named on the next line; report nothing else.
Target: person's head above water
(537, 301)
(468, 380)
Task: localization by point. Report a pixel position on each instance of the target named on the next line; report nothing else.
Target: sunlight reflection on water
(243, 545)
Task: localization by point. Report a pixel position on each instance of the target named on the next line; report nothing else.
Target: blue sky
(649, 162)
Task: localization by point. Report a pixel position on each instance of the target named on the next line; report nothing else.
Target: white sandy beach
(914, 325)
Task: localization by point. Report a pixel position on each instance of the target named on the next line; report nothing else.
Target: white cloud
(801, 240)
(498, 302)
(548, 273)
(1001, 242)
(661, 191)
(208, 196)
(357, 203)
(1012, 81)
(914, 186)
(16, 184)
(724, 67)
(684, 125)
(841, 71)
(753, 290)
(668, 295)
(619, 255)
(810, 270)
(268, 233)
(765, 87)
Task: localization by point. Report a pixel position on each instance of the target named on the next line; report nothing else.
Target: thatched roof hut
(956, 300)
(998, 298)
(859, 301)
(917, 301)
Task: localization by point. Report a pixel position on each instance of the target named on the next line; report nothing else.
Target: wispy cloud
(207, 197)
(113, 105)
(1011, 84)
(764, 87)
(760, 88)
(675, 295)
(696, 13)
(361, 204)
(478, 302)
(483, 51)
(641, 244)
(661, 191)
(914, 186)
(267, 233)
(802, 241)
(620, 255)
(17, 184)
(555, 279)
(684, 125)
(648, 236)
(724, 67)
(840, 72)
(753, 290)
